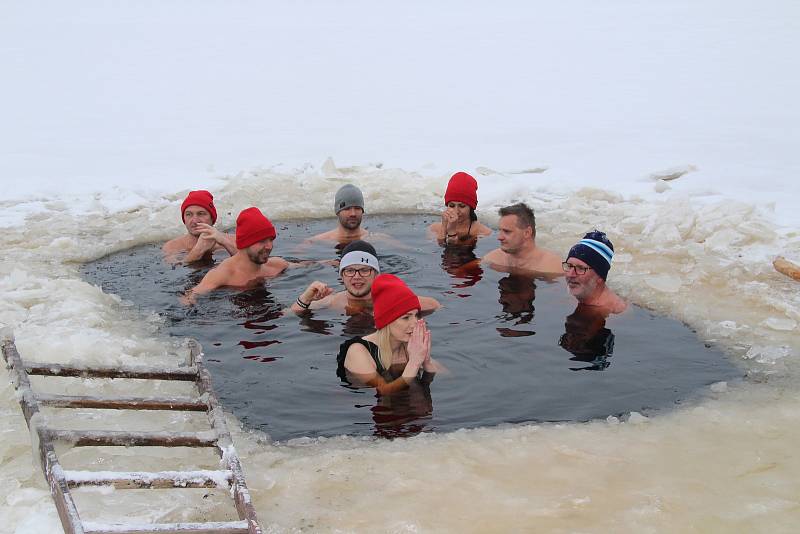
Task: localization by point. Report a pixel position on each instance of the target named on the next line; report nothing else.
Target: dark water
(517, 349)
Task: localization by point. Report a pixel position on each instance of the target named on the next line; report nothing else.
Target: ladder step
(145, 479)
(141, 372)
(122, 403)
(98, 438)
(223, 527)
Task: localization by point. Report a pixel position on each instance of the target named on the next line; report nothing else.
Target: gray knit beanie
(348, 196)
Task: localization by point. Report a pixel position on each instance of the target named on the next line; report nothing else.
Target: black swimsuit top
(341, 372)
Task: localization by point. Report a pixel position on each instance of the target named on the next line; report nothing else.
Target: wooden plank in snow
(188, 374)
(148, 480)
(221, 527)
(122, 403)
(116, 438)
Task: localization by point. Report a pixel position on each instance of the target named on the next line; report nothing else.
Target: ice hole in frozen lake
(516, 349)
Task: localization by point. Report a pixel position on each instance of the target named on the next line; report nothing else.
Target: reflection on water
(462, 264)
(587, 338)
(275, 371)
(517, 293)
(405, 413)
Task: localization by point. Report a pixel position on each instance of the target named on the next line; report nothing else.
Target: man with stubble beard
(348, 204)
(251, 264)
(519, 252)
(358, 269)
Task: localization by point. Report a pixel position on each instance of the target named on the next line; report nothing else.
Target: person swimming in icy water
(251, 264)
(459, 225)
(358, 269)
(518, 252)
(586, 268)
(348, 205)
(201, 239)
(399, 352)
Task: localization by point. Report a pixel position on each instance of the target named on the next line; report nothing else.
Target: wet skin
(350, 218)
(259, 252)
(582, 286)
(511, 236)
(358, 285)
(457, 212)
(402, 327)
(193, 216)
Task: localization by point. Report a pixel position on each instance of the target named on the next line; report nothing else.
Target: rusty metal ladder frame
(61, 481)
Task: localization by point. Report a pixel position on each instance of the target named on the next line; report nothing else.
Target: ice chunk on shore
(780, 323)
(672, 173)
(767, 354)
(635, 418)
(665, 283)
(719, 387)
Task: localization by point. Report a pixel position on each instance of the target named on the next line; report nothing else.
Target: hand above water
(449, 216)
(210, 234)
(316, 290)
(419, 344)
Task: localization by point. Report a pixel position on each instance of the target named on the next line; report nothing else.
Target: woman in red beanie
(459, 224)
(399, 352)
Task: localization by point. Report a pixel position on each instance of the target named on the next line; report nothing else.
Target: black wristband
(302, 304)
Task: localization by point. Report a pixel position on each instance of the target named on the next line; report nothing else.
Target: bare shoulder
(549, 262)
(337, 301)
(277, 265)
(435, 228)
(481, 230)
(358, 360)
(216, 277)
(617, 304)
(496, 256)
(330, 235)
(429, 304)
(173, 246)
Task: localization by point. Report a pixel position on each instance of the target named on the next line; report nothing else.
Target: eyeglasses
(579, 269)
(350, 272)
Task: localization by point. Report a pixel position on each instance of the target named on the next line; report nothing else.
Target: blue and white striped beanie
(596, 250)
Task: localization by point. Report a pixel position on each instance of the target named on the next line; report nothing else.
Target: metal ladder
(61, 481)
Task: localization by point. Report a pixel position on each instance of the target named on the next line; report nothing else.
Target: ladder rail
(51, 469)
(241, 494)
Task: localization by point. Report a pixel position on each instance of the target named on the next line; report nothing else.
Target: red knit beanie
(391, 298)
(462, 188)
(252, 227)
(201, 198)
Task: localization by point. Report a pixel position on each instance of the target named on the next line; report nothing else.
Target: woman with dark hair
(399, 352)
(459, 225)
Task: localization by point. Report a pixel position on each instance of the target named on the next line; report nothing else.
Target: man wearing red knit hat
(459, 224)
(201, 240)
(251, 264)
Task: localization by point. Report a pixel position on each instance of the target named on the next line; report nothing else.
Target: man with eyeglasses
(518, 251)
(358, 269)
(586, 268)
